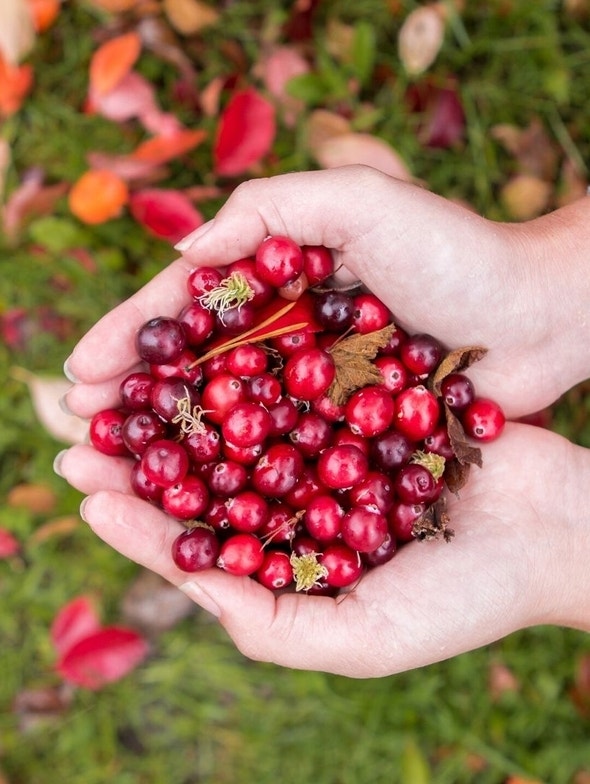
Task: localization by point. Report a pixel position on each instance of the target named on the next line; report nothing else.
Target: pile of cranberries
(290, 425)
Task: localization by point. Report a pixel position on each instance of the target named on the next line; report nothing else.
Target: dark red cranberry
(160, 340)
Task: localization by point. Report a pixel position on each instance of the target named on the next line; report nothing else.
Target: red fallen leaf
(102, 657)
(443, 118)
(74, 622)
(167, 214)
(9, 544)
(112, 61)
(163, 148)
(245, 133)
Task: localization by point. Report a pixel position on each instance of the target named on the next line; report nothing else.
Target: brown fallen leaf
(354, 369)
(154, 605)
(17, 34)
(456, 361)
(41, 706)
(535, 152)
(361, 148)
(322, 125)
(58, 526)
(526, 196)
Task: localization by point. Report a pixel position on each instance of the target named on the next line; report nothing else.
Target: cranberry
(439, 443)
(165, 462)
(160, 340)
(203, 444)
(414, 484)
(307, 487)
(248, 360)
(288, 344)
(184, 366)
(276, 571)
(382, 554)
(369, 411)
(334, 310)
(264, 388)
(421, 354)
(279, 260)
(401, 519)
(195, 549)
(106, 432)
(364, 529)
(140, 429)
(369, 314)
(241, 554)
(247, 511)
(323, 518)
(198, 323)
(171, 396)
(236, 320)
(311, 434)
(342, 466)
(220, 394)
(374, 490)
(135, 391)
(483, 419)
(246, 455)
(343, 564)
(277, 471)
(246, 424)
(395, 375)
(284, 415)
(228, 478)
(186, 499)
(457, 391)
(215, 514)
(263, 291)
(416, 412)
(391, 450)
(280, 524)
(142, 486)
(203, 279)
(308, 373)
(317, 263)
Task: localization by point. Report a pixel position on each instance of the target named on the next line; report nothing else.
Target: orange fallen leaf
(112, 61)
(116, 6)
(165, 147)
(15, 83)
(35, 497)
(98, 196)
(525, 196)
(58, 526)
(189, 17)
(43, 13)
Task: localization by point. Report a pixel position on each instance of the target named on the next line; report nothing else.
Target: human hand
(520, 290)
(519, 558)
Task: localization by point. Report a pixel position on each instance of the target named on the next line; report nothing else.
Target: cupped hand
(518, 558)
(439, 267)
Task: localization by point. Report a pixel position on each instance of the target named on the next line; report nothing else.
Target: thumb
(312, 208)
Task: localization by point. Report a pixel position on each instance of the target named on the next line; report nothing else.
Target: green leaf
(58, 234)
(413, 765)
(363, 50)
(308, 87)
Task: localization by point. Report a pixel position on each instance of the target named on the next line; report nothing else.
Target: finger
(108, 349)
(85, 400)
(90, 471)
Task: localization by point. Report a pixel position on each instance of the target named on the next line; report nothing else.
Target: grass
(196, 711)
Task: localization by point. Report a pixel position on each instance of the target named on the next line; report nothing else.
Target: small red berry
(483, 419)
(241, 555)
(416, 412)
(279, 260)
(195, 549)
(308, 373)
(106, 432)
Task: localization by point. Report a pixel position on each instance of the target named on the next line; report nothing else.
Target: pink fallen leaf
(245, 133)
(102, 657)
(167, 214)
(361, 148)
(9, 544)
(75, 621)
(127, 167)
(421, 37)
(129, 98)
(32, 197)
(276, 68)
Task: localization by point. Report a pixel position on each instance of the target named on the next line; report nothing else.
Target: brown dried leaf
(526, 196)
(354, 368)
(434, 523)
(153, 605)
(346, 149)
(456, 475)
(534, 150)
(17, 34)
(455, 362)
(465, 452)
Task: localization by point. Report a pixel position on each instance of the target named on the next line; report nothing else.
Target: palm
(433, 600)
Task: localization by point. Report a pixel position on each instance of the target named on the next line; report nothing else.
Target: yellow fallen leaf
(525, 196)
(17, 34)
(46, 392)
(189, 17)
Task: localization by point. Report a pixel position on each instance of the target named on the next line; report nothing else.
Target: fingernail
(190, 239)
(194, 591)
(83, 506)
(58, 461)
(63, 404)
(68, 373)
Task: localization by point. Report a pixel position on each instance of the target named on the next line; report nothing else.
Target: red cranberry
(195, 549)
